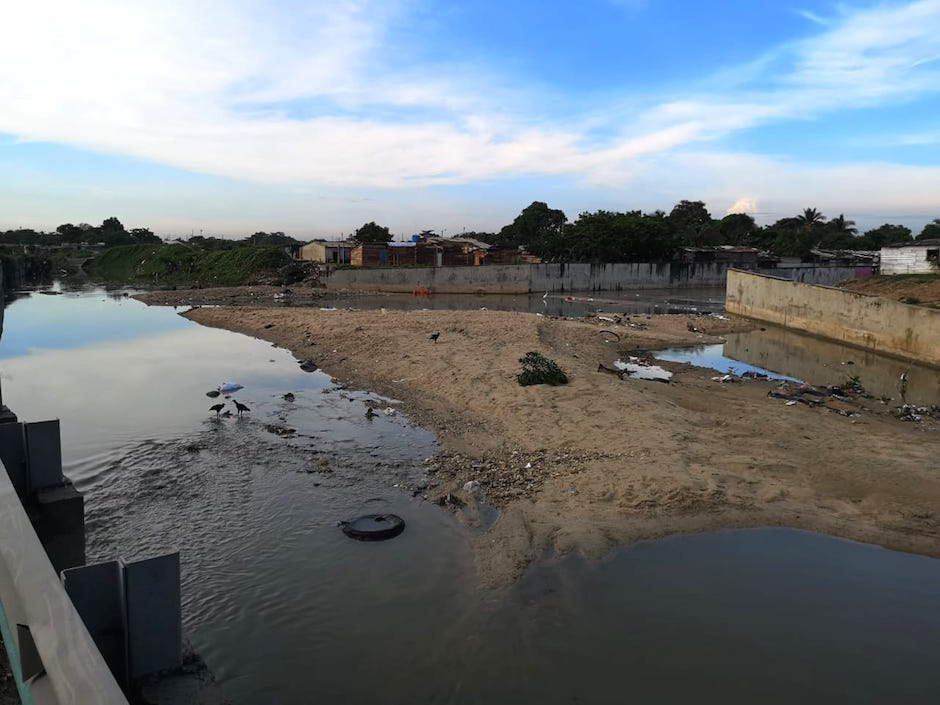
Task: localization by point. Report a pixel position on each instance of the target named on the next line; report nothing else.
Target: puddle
(713, 357)
(787, 354)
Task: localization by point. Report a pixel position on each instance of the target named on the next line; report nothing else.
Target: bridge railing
(53, 657)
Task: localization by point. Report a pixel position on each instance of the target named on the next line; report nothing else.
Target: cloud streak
(325, 93)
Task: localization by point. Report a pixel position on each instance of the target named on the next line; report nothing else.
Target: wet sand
(603, 461)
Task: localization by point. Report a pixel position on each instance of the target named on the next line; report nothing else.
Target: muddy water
(647, 301)
(788, 354)
(286, 609)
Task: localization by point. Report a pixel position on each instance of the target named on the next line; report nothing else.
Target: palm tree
(810, 218)
(842, 226)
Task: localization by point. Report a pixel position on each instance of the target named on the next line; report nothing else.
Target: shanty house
(915, 257)
(327, 251)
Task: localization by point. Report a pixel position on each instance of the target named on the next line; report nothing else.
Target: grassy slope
(183, 265)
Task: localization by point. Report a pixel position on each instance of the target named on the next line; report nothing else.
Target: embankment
(536, 278)
(868, 322)
(184, 265)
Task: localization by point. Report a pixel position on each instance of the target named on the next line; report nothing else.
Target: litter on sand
(643, 369)
(226, 387)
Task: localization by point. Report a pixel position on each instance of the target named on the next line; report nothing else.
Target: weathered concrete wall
(493, 279)
(630, 275)
(868, 322)
(528, 278)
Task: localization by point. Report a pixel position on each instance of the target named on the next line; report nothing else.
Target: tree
(843, 226)
(810, 218)
(70, 233)
(538, 228)
(143, 236)
(886, 234)
(112, 225)
(692, 223)
(604, 236)
(838, 234)
(736, 229)
(370, 232)
(930, 231)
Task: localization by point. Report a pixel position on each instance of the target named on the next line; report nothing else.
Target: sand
(603, 461)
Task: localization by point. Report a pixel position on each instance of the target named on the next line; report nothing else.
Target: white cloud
(743, 205)
(208, 87)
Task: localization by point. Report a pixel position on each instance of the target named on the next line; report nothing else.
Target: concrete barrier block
(59, 521)
(154, 614)
(44, 450)
(97, 591)
(13, 456)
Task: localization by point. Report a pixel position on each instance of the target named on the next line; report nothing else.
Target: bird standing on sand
(241, 407)
(434, 336)
(217, 408)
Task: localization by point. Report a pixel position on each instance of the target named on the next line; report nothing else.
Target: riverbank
(603, 461)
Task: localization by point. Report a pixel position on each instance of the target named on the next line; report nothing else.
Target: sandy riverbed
(601, 461)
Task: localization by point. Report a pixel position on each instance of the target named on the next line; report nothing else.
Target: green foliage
(538, 228)
(538, 369)
(886, 234)
(930, 231)
(619, 237)
(370, 232)
(736, 229)
(693, 224)
(182, 264)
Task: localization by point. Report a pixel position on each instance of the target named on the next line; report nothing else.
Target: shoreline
(602, 462)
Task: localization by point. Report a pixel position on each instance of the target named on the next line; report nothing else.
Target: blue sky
(315, 117)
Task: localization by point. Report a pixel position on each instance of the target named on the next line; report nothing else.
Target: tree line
(608, 236)
(599, 236)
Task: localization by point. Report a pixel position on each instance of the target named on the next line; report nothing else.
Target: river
(284, 608)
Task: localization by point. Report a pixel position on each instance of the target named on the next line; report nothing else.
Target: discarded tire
(374, 527)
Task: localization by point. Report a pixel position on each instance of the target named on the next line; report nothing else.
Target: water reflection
(787, 354)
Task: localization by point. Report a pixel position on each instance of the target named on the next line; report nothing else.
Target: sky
(312, 118)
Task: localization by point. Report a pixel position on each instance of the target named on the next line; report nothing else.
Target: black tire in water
(374, 527)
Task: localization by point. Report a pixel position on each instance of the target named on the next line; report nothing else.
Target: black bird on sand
(241, 407)
(434, 336)
(217, 408)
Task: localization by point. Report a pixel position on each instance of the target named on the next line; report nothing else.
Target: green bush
(183, 265)
(538, 369)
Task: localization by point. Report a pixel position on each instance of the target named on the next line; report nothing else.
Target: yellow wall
(870, 322)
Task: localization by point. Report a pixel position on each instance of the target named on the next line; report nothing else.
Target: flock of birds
(239, 407)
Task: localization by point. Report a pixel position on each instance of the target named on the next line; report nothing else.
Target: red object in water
(569, 298)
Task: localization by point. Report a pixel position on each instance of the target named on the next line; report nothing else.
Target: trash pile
(833, 398)
(916, 414)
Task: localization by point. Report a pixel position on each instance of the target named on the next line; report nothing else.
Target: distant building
(732, 254)
(915, 257)
(327, 251)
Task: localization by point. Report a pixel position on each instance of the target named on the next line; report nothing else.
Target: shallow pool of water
(787, 354)
(284, 608)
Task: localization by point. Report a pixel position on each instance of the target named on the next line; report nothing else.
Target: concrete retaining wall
(869, 322)
(536, 278)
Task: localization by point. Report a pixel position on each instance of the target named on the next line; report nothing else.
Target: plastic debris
(226, 387)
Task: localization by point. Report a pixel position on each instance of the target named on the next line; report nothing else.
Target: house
(369, 254)
(736, 255)
(915, 257)
(326, 251)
